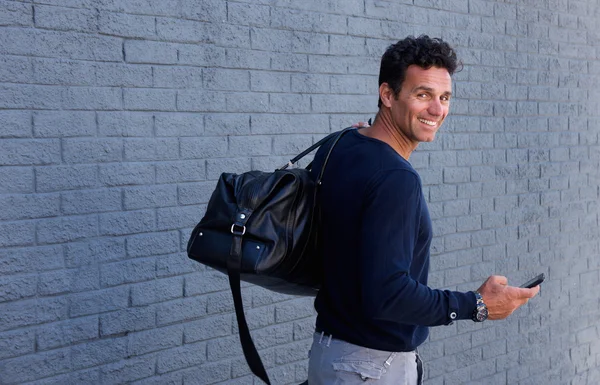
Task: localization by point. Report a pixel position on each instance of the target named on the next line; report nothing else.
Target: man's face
(422, 104)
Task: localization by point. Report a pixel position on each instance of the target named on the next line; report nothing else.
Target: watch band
(481, 311)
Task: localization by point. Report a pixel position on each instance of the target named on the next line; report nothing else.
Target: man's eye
(422, 96)
(445, 98)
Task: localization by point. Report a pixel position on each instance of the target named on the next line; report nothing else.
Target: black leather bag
(260, 227)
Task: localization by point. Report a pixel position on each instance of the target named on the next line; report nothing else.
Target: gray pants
(334, 361)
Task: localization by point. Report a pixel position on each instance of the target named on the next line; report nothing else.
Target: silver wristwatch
(481, 311)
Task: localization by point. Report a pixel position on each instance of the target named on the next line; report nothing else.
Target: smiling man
(375, 307)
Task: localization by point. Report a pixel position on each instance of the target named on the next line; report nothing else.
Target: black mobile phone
(534, 282)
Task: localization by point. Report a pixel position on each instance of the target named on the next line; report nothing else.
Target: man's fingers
(530, 293)
(500, 279)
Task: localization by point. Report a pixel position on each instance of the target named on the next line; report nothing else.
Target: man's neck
(383, 129)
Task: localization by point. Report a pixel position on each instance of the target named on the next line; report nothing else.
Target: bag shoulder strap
(337, 135)
(234, 264)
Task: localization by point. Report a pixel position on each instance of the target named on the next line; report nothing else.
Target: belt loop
(321, 339)
(329, 341)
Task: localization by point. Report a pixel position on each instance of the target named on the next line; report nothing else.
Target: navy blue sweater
(375, 233)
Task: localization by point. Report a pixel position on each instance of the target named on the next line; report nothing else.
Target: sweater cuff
(461, 306)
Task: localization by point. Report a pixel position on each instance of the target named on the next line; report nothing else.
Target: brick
(63, 72)
(59, 18)
(192, 100)
(156, 291)
(175, 264)
(308, 21)
(173, 218)
(204, 147)
(66, 281)
(30, 259)
(29, 206)
(93, 98)
(130, 222)
(188, 355)
(185, 31)
(140, 149)
(129, 369)
(208, 374)
(31, 312)
(13, 13)
(149, 99)
(179, 124)
(155, 340)
(16, 124)
(208, 328)
(145, 51)
(117, 123)
(90, 201)
(54, 124)
(202, 55)
(92, 150)
(268, 81)
(209, 10)
(215, 167)
(16, 343)
(19, 152)
(247, 59)
(249, 145)
(180, 171)
(29, 368)
(177, 77)
(195, 193)
(149, 196)
(98, 352)
(172, 378)
(127, 320)
(126, 25)
(246, 102)
(13, 288)
(291, 310)
(180, 309)
(246, 14)
(17, 234)
(66, 229)
(134, 270)
(152, 244)
(65, 333)
(119, 174)
(98, 301)
(224, 347)
(94, 251)
(122, 75)
(206, 282)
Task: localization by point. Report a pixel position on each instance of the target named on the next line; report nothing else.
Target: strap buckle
(238, 230)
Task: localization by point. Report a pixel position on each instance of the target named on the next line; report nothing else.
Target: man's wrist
(480, 313)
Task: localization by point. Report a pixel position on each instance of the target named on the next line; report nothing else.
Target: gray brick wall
(117, 117)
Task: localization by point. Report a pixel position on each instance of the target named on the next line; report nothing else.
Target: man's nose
(435, 108)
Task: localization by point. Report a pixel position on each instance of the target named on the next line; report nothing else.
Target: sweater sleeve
(389, 234)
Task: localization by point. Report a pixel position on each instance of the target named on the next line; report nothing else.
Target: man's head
(422, 51)
(415, 88)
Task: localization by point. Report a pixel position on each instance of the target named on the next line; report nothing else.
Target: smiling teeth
(428, 122)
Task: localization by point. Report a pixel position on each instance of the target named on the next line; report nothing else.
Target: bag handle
(234, 264)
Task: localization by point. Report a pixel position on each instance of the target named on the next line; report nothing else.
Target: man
(375, 307)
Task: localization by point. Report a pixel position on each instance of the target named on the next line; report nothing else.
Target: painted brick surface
(117, 118)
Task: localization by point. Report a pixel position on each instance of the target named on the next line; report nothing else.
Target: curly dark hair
(424, 51)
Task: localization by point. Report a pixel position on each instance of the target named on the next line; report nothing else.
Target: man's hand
(502, 300)
(361, 125)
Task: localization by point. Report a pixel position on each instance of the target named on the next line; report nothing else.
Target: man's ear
(386, 94)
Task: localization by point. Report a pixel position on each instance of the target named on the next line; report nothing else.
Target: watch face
(482, 314)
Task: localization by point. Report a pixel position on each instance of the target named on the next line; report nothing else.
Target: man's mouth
(428, 122)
